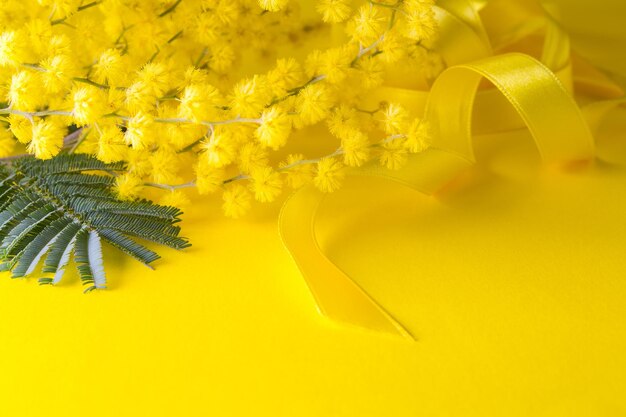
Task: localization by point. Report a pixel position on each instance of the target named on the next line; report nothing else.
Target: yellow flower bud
(274, 129)
(26, 91)
(47, 139)
(128, 187)
(334, 11)
(90, 104)
(266, 184)
(236, 201)
(329, 175)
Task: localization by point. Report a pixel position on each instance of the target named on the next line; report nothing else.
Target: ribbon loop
(556, 123)
(538, 100)
(549, 112)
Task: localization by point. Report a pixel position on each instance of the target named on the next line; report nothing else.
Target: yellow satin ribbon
(537, 100)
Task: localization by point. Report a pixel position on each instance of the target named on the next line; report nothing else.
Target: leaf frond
(65, 206)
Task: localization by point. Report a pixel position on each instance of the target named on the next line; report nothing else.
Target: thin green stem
(176, 36)
(296, 90)
(388, 6)
(95, 84)
(241, 176)
(81, 137)
(365, 51)
(201, 57)
(35, 67)
(83, 80)
(35, 113)
(170, 187)
(170, 9)
(236, 178)
(80, 9)
(71, 139)
(209, 123)
(370, 112)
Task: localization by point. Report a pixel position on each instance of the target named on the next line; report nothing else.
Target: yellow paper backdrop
(513, 280)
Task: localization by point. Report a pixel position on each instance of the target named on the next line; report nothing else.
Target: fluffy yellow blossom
(219, 149)
(209, 179)
(273, 5)
(241, 133)
(111, 68)
(274, 128)
(368, 24)
(222, 57)
(314, 103)
(298, 173)
(226, 10)
(420, 23)
(336, 63)
(329, 174)
(418, 136)
(393, 47)
(111, 145)
(314, 63)
(164, 166)
(393, 154)
(140, 131)
(21, 128)
(60, 44)
(61, 8)
(26, 91)
(175, 198)
(252, 157)
(371, 72)
(90, 104)
(158, 85)
(151, 36)
(57, 74)
(266, 184)
(195, 75)
(12, 49)
(395, 119)
(356, 148)
(286, 74)
(47, 139)
(137, 162)
(236, 201)
(39, 34)
(128, 187)
(115, 99)
(198, 102)
(334, 11)
(179, 136)
(342, 121)
(7, 142)
(140, 98)
(206, 28)
(155, 77)
(249, 97)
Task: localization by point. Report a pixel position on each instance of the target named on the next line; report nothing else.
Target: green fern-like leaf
(51, 210)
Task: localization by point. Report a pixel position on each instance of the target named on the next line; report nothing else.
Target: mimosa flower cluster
(165, 85)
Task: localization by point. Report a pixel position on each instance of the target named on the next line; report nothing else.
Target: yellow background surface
(513, 280)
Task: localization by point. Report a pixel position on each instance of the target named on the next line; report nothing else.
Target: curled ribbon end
(369, 314)
(337, 296)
